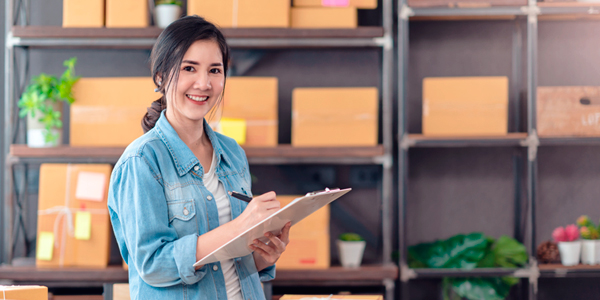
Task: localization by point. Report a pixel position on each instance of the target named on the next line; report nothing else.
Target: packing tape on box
(234, 14)
(66, 212)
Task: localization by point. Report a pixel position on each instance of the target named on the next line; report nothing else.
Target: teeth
(197, 98)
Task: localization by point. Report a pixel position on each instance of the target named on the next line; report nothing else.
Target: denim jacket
(159, 206)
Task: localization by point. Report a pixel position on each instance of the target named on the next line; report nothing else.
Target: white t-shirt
(212, 183)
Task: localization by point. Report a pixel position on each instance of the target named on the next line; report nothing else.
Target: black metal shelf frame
(385, 43)
(530, 143)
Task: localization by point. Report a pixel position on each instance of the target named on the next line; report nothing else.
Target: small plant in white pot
(42, 104)
(166, 12)
(569, 246)
(351, 247)
(590, 245)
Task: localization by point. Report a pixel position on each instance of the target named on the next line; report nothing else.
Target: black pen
(240, 196)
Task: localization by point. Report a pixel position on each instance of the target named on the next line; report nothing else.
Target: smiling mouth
(197, 98)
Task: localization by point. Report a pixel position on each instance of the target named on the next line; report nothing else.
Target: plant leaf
(460, 251)
(493, 288)
(509, 253)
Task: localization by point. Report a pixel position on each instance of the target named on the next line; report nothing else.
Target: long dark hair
(167, 55)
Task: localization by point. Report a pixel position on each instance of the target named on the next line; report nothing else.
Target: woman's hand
(266, 255)
(259, 209)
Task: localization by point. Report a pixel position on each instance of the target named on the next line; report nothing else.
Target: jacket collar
(183, 158)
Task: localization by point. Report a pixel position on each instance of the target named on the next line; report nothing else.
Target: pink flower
(559, 234)
(571, 232)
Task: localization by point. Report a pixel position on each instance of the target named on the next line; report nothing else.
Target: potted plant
(569, 246)
(590, 245)
(351, 247)
(42, 104)
(166, 11)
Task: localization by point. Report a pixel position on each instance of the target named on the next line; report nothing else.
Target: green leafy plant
(350, 237)
(169, 2)
(471, 251)
(44, 91)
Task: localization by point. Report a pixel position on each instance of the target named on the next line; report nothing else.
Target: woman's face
(200, 84)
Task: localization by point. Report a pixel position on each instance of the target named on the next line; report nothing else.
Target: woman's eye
(188, 68)
(215, 71)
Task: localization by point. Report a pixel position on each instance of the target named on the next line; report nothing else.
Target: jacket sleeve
(140, 218)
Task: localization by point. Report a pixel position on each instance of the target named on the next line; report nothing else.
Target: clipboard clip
(326, 190)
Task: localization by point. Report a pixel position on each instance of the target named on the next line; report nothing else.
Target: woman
(168, 197)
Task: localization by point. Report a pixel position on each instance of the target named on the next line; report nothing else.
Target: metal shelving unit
(529, 140)
(24, 37)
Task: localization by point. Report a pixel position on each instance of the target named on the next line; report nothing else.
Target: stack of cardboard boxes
(328, 13)
(109, 13)
(224, 13)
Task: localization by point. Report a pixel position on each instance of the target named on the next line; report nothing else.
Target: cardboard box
(335, 297)
(127, 13)
(361, 4)
(254, 99)
(324, 17)
(83, 13)
(108, 111)
(24, 292)
(68, 191)
(309, 241)
(465, 106)
(568, 111)
(334, 117)
(121, 291)
(465, 3)
(242, 13)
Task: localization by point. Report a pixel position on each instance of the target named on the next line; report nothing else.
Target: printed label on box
(90, 186)
(335, 3)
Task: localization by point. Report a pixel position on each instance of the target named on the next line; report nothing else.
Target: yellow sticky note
(45, 246)
(235, 129)
(83, 225)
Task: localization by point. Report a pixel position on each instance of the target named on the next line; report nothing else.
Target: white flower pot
(597, 256)
(589, 252)
(569, 252)
(351, 253)
(165, 14)
(35, 131)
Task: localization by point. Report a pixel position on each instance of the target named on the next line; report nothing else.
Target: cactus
(584, 221)
(571, 232)
(585, 232)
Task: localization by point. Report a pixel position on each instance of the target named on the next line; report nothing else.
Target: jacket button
(215, 268)
(186, 211)
(196, 168)
(209, 197)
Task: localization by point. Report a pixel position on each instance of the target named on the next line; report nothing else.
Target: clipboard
(297, 210)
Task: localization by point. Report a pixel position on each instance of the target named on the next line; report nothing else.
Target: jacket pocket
(183, 210)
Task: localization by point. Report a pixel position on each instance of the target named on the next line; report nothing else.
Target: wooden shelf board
(568, 4)
(22, 151)
(153, 32)
(554, 267)
(366, 273)
(509, 136)
(463, 18)
(33, 274)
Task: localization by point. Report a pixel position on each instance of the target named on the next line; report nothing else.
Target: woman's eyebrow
(191, 62)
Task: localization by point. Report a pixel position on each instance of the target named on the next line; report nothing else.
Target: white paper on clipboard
(297, 210)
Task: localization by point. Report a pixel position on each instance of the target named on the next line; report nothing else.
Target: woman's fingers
(285, 233)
